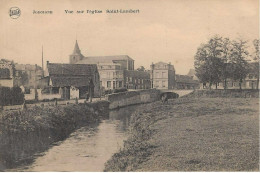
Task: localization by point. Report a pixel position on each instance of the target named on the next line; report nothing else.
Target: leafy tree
(24, 78)
(238, 60)
(256, 58)
(226, 56)
(208, 63)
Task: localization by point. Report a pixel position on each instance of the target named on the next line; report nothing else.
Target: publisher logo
(14, 12)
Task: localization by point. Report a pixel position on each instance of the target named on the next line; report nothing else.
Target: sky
(168, 31)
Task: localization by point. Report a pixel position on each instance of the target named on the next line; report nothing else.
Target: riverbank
(27, 132)
(192, 134)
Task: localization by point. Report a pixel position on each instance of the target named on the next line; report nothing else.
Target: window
(157, 74)
(163, 74)
(120, 84)
(108, 84)
(163, 83)
(114, 84)
(130, 79)
(156, 83)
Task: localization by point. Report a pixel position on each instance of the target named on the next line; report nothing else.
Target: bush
(119, 90)
(11, 96)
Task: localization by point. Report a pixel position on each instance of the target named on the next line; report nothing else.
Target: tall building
(111, 75)
(162, 76)
(134, 79)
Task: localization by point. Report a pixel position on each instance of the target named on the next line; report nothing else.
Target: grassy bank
(234, 93)
(192, 134)
(24, 133)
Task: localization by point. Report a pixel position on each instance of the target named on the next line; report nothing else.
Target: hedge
(11, 96)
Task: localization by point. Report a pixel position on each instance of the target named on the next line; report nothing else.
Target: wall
(47, 96)
(30, 96)
(6, 82)
(132, 97)
(74, 93)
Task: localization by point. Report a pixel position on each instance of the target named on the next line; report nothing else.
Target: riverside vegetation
(194, 133)
(23, 133)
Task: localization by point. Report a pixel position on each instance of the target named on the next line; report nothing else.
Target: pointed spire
(76, 48)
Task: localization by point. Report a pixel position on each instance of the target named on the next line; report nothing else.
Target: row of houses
(90, 76)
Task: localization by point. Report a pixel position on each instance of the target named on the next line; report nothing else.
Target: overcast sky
(169, 30)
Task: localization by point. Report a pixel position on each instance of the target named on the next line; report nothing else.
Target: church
(111, 68)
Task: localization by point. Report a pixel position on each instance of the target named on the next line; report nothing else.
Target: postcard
(129, 85)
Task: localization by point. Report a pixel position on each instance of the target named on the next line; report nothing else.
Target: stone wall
(132, 97)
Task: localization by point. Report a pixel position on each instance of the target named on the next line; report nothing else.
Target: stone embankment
(132, 97)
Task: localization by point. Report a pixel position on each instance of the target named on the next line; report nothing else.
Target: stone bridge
(180, 92)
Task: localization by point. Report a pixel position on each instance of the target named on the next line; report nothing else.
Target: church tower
(76, 55)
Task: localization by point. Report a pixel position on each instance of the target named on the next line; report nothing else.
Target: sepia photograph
(129, 86)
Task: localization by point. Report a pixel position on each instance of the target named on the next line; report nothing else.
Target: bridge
(180, 92)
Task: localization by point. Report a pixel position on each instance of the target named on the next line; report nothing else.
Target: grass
(192, 134)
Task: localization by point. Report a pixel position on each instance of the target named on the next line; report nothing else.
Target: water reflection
(88, 148)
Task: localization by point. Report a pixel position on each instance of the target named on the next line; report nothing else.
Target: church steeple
(76, 55)
(76, 48)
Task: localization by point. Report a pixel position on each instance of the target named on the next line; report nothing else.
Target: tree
(141, 68)
(208, 63)
(24, 79)
(226, 56)
(256, 58)
(238, 60)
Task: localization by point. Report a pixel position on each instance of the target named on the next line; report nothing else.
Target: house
(71, 80)
(111, 75)
(27, 75)
(134, 79)
(192, 73)
(162, 75)
(186, 82)
(6, 73)
(250, 82)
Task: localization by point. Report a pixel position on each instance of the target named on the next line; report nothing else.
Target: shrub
(11, 96)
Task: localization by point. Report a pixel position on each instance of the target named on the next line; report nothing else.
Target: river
(87, 149)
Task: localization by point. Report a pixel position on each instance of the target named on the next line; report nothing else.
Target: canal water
(87, 149)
